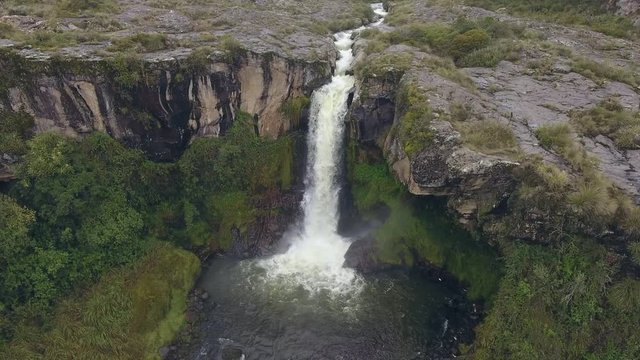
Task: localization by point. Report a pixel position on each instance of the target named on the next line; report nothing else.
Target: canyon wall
(157, 106)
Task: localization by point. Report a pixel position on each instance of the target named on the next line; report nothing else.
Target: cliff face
(630, 8)
(159, 106)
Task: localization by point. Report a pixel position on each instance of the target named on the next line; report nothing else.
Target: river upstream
(302, 304)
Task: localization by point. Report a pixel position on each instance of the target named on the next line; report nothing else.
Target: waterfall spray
(314, 260)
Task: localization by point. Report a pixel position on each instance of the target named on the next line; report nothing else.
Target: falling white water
(314, 259)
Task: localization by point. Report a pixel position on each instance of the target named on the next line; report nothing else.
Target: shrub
(559, 138)
(414, 125)
(555, 136)
(15, 129)
(610, 119)
(598, 72)
(491, 55)
(467, 42)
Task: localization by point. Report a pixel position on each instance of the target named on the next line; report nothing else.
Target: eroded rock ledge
(158, 106)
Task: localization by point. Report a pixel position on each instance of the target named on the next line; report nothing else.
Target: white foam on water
(314, 259)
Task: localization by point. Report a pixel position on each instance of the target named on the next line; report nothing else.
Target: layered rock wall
(167, 106)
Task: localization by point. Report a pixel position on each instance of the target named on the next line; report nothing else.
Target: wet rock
(164, 352)
(361, 256)
(232, 353)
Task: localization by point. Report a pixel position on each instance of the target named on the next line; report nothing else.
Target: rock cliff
(167, 104)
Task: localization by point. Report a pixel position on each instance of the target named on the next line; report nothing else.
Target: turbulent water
(303, 304)
(315, 257)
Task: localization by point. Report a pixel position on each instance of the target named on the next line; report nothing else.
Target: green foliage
(233, 49)
(126, 70)
(141, 42)
(610, 119)
(559, 138)
(128, 314)
(491, 55)
(414, 127)
(591, 13)
(550, 304)
(468, 41)
(389, 66)
(15, 129)
(417, 231)
(484, 42)
(292, 109)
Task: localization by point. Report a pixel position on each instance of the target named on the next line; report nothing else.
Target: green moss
(591, 13)
(416, 230)
(233, 211)
(292, 109)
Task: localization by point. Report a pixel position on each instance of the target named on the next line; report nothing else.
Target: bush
(491, 55)
(599, 72)
(467, 42)
(610, 119)
(591, 13)
(559, 138)
(414, 125)
(78, 6)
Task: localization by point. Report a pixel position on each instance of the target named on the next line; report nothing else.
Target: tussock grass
(590, 13)
(559, 138)
(599, 72)
(610, 119)
(489, 137)
(129, 314)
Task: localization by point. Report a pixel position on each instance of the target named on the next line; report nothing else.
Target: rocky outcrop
(168, 105)
(630, 8)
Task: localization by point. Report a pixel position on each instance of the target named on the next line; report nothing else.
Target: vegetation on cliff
(85, 208)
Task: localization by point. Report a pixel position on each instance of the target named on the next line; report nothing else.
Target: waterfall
(314, 259)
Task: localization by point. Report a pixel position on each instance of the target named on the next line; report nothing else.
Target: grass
(446, 68)
(414, 126)
(610, 119)
(482, 43)
(599, 72)
(129, 314)
(142, 42)
(388, 66)
(488, 137)
(490, 56)
(590, 13)
(559, 138)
